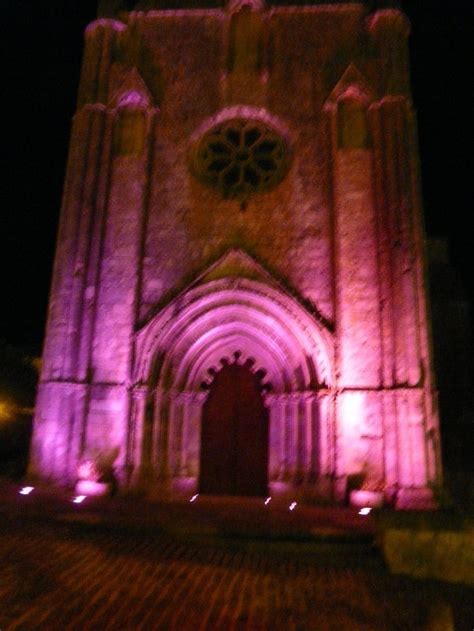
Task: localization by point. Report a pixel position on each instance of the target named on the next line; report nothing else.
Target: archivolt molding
(213, 321)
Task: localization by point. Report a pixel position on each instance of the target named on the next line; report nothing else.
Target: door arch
(234, 435)
(184, 346)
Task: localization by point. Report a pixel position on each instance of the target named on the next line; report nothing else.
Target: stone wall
(335, 248)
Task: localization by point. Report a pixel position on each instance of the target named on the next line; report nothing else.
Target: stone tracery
(240, 157)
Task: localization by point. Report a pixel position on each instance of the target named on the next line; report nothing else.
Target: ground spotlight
(267, 501)
(293, 505)
(79, 499)
(194, 497)
(365, 511)
(26, 490)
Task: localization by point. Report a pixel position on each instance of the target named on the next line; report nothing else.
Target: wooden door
(234, 435)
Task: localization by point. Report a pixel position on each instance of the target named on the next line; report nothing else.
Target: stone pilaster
(116, 310)
(102, 39)
(356, 271)
(139, 437)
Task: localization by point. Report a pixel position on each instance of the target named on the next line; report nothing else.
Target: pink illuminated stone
(87, 470)
(92, 488)
(318, 287)
(132, 98)
(364, 499)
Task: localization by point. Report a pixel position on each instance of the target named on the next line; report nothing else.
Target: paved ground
(77, 570)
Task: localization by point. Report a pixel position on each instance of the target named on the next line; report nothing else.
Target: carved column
(312, 438)
(282, 407)
(186, 405)
(161, 434)
(274, 437)
(323, 414)
(302, 439)
(276, 404)
(292, 437)
(194, 431)
(183, 435)
(139, 435)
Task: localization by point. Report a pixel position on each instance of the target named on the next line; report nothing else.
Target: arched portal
(179, 359)
(234, 435)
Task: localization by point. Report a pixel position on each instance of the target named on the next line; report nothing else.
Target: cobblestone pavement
(77, 576)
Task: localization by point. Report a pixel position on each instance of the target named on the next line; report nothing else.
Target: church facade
(238, 302)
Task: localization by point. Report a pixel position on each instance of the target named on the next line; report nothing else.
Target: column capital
(139, 392)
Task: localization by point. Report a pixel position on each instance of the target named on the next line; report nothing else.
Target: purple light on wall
(127, 368)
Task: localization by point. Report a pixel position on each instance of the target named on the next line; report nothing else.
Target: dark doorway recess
(234, 435)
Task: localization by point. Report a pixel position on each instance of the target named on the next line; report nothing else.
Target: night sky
(41, 44)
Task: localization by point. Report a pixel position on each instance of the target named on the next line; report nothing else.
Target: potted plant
(365, 490)
(368, 495)
(93, 478)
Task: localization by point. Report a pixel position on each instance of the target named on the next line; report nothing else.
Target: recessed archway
(241, 322)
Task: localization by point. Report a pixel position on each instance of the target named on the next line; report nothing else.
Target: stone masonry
(242, 186)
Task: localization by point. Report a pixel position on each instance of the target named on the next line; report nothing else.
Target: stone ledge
(445, 555)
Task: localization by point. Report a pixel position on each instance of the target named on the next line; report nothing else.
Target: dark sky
(41, 44)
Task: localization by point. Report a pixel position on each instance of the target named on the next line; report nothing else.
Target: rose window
(240, 157)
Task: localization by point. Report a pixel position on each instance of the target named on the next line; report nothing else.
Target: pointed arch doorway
(234, 435)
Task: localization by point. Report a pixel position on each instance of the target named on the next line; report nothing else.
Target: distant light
(365, 511)
(267, 501)
(194, 497)
(26, 490)
(5, 411)
(293, 505)
(79, 499)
